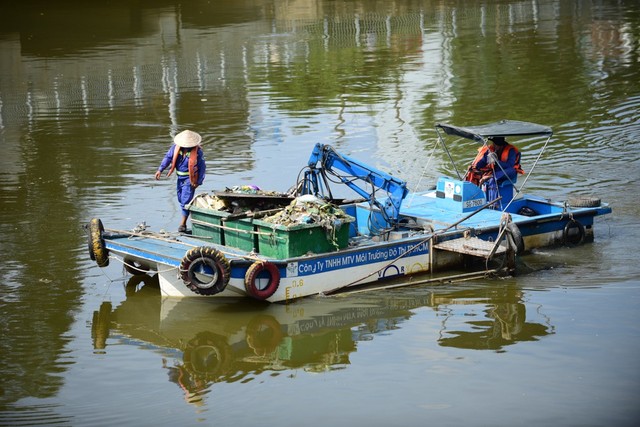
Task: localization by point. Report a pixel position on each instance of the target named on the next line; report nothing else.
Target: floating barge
(388, 233)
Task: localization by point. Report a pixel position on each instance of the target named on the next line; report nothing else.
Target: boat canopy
(502, 128)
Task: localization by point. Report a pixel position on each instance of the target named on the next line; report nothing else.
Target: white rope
(139, 269)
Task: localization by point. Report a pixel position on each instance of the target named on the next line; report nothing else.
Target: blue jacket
(182, 163)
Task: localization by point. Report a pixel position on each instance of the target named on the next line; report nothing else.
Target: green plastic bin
(282, 242)
(207, 223)
(239, 233)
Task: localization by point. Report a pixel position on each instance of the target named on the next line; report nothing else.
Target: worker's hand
(157, 175)
(492, 158)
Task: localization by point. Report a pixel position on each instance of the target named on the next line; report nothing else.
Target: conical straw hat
(187, 139)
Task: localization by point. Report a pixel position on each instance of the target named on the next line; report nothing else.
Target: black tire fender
(134, 267)
(97, 249)
(142, 284)
(516, 235)
(251, 277)
(584, 202)
(208, 262)
(569, 237)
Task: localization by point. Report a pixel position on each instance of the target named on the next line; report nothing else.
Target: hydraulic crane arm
(326, 161)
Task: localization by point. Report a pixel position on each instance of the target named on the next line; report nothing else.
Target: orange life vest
(193, 163)
(474, 175)
(193, 166)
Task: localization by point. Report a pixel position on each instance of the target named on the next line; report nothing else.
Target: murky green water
(90, 93)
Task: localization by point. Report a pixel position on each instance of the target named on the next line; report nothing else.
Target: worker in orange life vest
(186, 157)
(497, 159)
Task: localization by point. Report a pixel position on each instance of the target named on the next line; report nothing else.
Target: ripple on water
(33, 415)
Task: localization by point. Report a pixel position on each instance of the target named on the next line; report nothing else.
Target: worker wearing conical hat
(186, 157)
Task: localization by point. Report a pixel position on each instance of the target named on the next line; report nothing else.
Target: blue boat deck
(546, 215)
(424, 206)
(161, 248)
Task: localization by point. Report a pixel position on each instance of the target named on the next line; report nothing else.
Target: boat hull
(301, 278)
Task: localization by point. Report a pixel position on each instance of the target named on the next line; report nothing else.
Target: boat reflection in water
(212, 341)
(504, 321)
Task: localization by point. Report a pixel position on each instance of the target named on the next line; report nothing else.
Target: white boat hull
(293, 286)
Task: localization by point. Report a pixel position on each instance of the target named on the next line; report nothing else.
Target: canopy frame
(502, 128)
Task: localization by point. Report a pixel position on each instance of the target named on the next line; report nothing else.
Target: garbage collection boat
(311, 243)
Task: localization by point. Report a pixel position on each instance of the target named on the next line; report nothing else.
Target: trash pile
(308, 209)
(208, 201)
(252, 189)
(241, 198)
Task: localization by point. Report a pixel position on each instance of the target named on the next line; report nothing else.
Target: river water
(90, 95)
